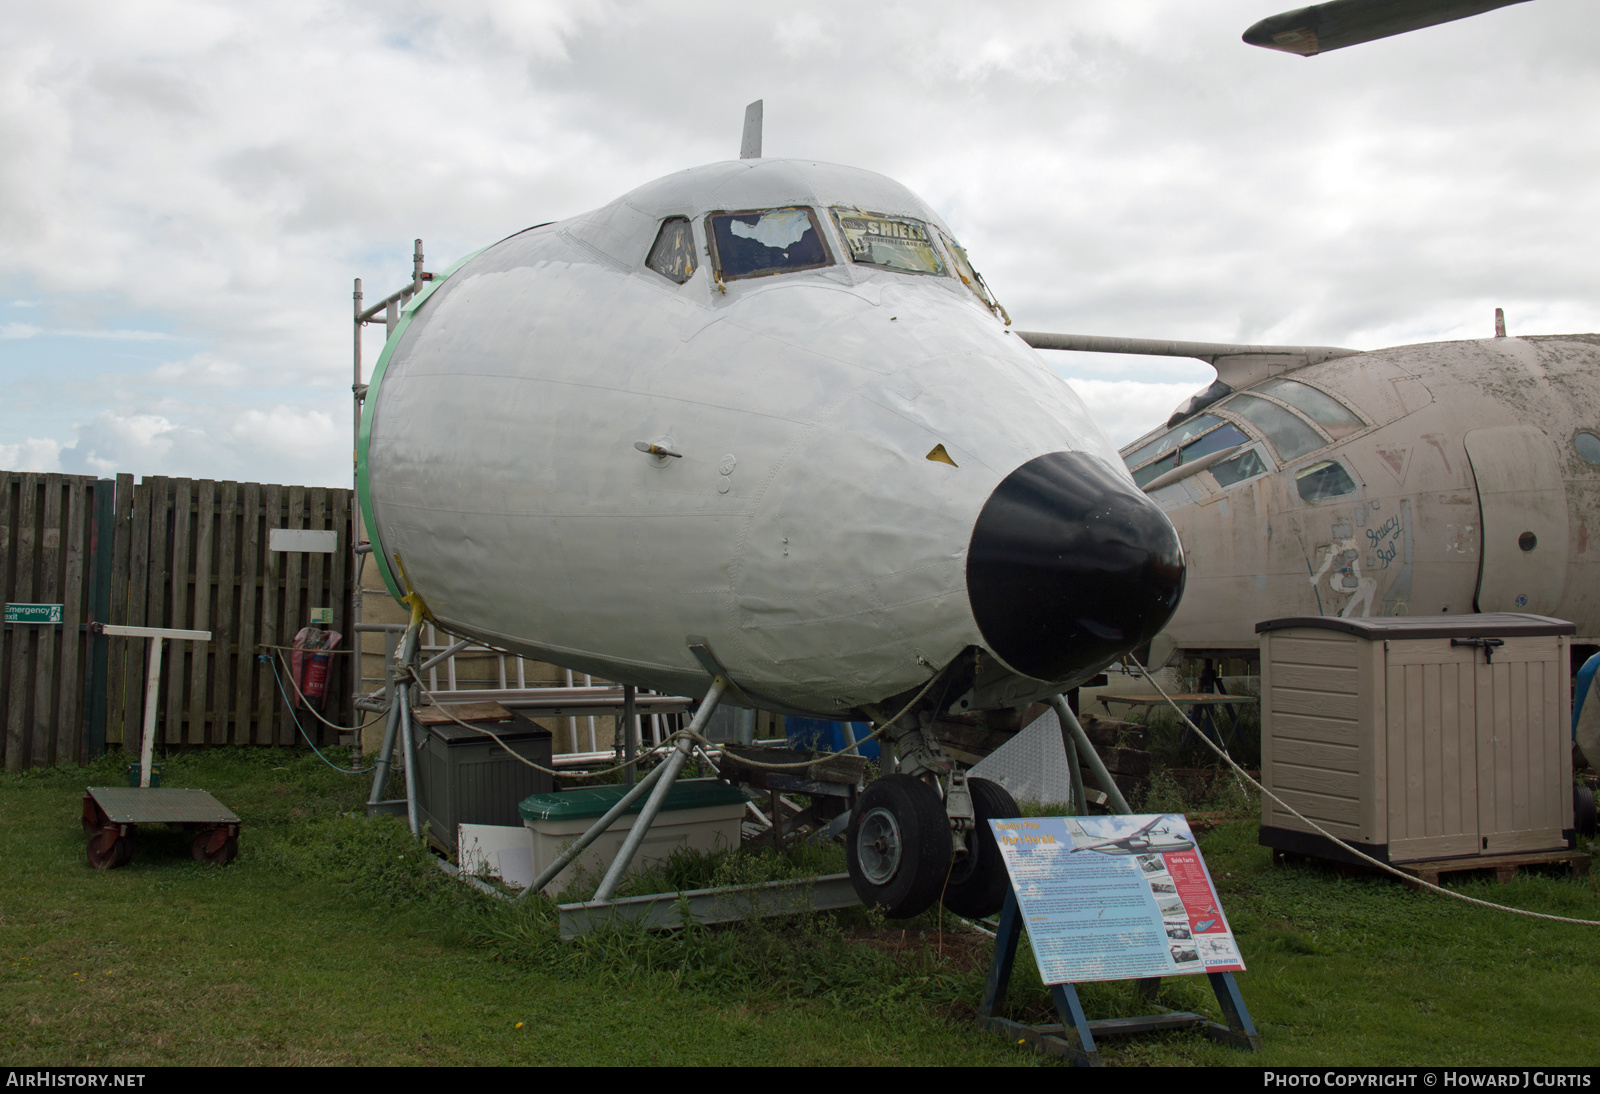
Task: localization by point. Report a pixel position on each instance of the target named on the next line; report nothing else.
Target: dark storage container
(464, 777)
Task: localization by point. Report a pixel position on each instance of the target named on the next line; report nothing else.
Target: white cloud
(33, 454)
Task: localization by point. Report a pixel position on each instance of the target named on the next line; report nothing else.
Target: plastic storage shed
(1417, 737)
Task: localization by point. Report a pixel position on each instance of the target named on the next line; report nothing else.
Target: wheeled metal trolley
(112, 814)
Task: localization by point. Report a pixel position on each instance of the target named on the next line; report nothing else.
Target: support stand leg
(1241, 1031)
(1086, 751)
(1079, 801)
(1077, 1040)
(596, 830)
(1005, 956)
(391, 727)
(630, 736)
(658, 794)
(407, 655)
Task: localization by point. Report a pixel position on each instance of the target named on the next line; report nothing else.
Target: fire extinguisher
(310, 662)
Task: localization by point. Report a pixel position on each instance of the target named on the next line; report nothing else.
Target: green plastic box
(702, 814)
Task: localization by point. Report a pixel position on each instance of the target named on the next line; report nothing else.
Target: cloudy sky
(187, 189)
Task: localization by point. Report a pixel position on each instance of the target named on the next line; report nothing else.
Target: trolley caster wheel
(898, 846)
(94, 818)
(979, 882)
(108, 848)
(215, 845)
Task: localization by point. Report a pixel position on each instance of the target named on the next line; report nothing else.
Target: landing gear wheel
(109, 848)
(215, 845)
(898, 846)
(979, 883)
(1583, 810)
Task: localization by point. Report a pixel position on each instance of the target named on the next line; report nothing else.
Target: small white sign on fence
(317, 540)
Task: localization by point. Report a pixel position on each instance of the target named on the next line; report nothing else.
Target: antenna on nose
(750, 146)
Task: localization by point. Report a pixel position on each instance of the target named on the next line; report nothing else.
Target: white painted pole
(152, 686)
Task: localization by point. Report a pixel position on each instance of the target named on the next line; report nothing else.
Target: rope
(1384, 866)
(302, 729)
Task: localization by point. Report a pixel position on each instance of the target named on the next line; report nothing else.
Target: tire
(898, 846)
(979, 882)
(1583, 810)
(108, 848)
(215, 845)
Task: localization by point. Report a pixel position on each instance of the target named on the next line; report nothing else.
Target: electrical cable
(306, 701)
(302, 729)
(686, 732)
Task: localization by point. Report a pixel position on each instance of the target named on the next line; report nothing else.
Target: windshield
(1325, 410)
(1227, 435)
(892, 243)
(766, 242)
(1173, 438)
(971, 278)
(1288, 434)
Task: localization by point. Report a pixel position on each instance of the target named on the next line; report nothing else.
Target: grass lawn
(332, 940)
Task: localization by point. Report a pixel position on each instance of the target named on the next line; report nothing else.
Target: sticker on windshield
(895, 243)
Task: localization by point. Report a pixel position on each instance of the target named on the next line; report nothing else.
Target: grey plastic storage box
(1417, 737)
(464, 777)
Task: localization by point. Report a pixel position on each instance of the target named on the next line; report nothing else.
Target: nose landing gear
(899, 849)
(898, 846)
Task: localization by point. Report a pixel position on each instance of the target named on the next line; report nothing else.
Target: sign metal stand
(1074, 1037)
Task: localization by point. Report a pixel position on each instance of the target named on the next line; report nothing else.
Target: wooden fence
(167, 552)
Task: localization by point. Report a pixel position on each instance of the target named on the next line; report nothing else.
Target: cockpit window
(1173, 438)
(1246, 465)
(767, 241)
(1292, 437)
(1326, 411)
(1227, 435)
(1323, 479)
(673, 253)
(971, 278)
(891, 243)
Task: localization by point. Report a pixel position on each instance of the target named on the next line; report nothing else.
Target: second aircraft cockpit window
(766, 241)
(1199, 436)
(891, 243)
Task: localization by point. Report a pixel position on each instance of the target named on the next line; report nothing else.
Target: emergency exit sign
(33, 613)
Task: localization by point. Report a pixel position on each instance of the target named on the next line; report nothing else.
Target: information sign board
(33, 613)
(1115, 898)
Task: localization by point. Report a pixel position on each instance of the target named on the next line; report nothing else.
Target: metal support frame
(1074, 1037)
(390, 307)
(1069, 724)
(792, 896)
(659, 781)
(658, 795)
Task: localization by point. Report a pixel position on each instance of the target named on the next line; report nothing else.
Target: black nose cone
(1070, 565)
